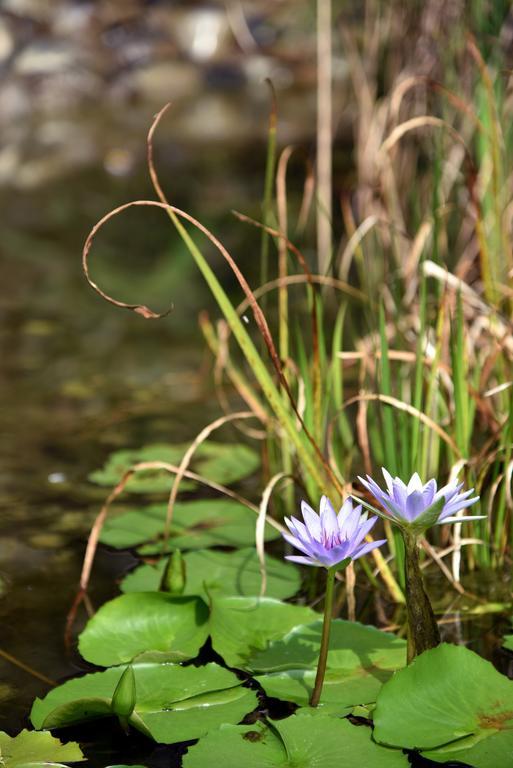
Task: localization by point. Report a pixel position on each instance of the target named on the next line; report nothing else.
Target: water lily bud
(174, 577)
(123, 698)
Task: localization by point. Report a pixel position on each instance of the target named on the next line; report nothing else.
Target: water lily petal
(415, 483)
(329, 522)
(368, 547)
(296, 543)
(388, 480)
(302, 560)
(415, 505)
(340, 536)
(311, 519)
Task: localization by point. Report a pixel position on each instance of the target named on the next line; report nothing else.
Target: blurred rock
(6, 42)
(166, 81)
(45, 58)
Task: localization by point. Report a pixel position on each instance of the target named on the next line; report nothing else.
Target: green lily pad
(196, 525)
(303, 740)
(489, 753)
(173, 703)
(360, 659)
(462, 699)
(222, 462)
(155, 626)
(340, 693)
(242, 626)
(352, 646)
(131, 625)
(33, 749)
(508, 642)
(210, 572)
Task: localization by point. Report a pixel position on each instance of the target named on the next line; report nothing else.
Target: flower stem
(325, 638)
(422, 627)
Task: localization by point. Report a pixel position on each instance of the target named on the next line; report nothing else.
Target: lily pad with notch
(157, 626)
(466, 706)
(213, 572)
(173, 703)
(145, 624)
(360, 659)
(243, 626)
(195, 525)
(313, 740)
(223, 463)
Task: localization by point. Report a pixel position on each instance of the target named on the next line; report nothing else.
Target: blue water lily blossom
(421, 505)
(329, 539)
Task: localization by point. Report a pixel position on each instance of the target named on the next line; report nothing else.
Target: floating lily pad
(242, 626)
(210, 572)
(173, 703)
(340, 693)
(222, 462)
(156, 626)
(450, 697)
(352, 646)
(130, 625)
(489, 753)
(360, 659)
(36, 749)
(196, 525)
(309, 740)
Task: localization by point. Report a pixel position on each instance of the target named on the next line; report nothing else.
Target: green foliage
(451, 700)
(196, 525)
(147, 626)
(211, 572)
(360, 659)
(352, 646)
(173, 703)
(126, 628)
(240, 626)
(30, 749)
(306, 739)
(223, 463)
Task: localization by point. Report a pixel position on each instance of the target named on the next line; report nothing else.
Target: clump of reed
(395, 347)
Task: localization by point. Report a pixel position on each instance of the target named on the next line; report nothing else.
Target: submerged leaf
(196, 525)
(173, 703)
(221, 462)
(210, 572)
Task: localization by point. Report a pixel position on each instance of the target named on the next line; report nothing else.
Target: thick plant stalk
(325, 638)
(423, 631)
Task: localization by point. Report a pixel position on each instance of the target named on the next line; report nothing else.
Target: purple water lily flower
(421, 505)
(328, 539)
